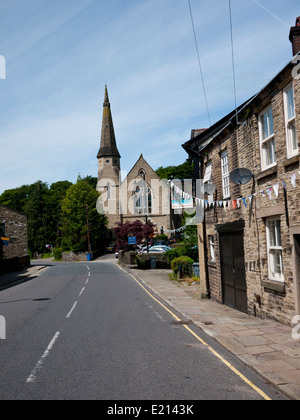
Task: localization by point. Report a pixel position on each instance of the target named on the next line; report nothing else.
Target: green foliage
(183, 171)
(174, 253)
(43, 207)
(141, 263)
(40, 221)
(74, 218)
(161, 238)
(58, 253)
(183, 264)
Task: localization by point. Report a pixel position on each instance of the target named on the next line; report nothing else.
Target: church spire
(108, 145)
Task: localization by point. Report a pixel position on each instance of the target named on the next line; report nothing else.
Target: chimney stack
(295, 37)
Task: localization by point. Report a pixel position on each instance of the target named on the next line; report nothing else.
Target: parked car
(158, 249)
(111, 248)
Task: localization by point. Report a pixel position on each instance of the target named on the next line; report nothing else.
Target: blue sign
(131, 240)
(4, 241)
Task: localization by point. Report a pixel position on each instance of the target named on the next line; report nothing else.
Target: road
(83, 331)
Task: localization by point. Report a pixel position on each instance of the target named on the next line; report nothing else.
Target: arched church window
(108, 189)
(142, 199)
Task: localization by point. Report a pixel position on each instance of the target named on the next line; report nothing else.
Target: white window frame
(264, 141)
(274, 249)
(208, 172)
(289, 122)
(225, 174)
(212, 245)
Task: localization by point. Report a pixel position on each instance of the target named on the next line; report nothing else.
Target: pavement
(266, 346)
(15, 278)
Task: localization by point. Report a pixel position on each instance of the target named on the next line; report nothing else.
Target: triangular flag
(293, 179)
(269, 191)
(234, 204)
(244, 201)
(284, 184)
(250, 199)
(276, 189)
(263, 193)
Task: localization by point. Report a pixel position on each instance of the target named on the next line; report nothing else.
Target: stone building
(13, 245)
(251, 234)
(140, 196)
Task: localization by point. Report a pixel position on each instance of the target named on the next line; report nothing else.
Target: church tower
(109, 166)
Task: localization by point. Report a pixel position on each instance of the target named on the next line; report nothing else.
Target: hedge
(184, 264)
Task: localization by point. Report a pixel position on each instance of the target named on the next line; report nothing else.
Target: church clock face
(108, 161)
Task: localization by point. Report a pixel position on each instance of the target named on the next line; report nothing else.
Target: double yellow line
(221, 358)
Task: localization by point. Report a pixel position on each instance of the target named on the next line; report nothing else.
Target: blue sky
(60, 54)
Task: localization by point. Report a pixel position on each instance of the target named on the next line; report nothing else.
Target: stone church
(141, 195)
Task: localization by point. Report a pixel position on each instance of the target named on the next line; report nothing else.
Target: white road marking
(32, 377)
(70, 313)
(82, 290)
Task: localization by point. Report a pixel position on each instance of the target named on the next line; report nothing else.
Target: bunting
(237, 203)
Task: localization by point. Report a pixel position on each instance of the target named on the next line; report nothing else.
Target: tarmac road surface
(82, 331)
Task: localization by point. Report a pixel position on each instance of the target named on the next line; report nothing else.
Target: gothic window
(142, 199)
(108, 189)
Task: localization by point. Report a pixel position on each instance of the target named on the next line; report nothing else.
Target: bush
(58, 253)
(141, 264)
(182, 264)
(174, 253)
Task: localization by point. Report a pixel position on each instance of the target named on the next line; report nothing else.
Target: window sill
(212, 264)
(291, 161)
(276, 285)
(266, 173)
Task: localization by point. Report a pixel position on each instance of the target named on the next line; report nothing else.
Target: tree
(57, 193)
(39, 218)
(74, 218)
(16, 198)
(137, 229)
(183, 171)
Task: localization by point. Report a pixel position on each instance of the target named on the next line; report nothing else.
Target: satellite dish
(241, 176)
(209, 188)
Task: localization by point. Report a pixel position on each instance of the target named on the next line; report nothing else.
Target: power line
(232, 55)
(199, 61)
(233, 64)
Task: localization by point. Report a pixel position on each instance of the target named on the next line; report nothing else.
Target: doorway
(296, 270)
(233, 273)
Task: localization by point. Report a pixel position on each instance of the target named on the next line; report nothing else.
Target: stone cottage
(250, 239)
(13, 243)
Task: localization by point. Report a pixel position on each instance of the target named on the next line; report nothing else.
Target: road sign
(132, 240)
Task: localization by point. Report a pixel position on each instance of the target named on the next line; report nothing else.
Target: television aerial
(241, 176)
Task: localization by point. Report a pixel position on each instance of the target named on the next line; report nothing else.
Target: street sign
(132, 240)
(4, 241)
